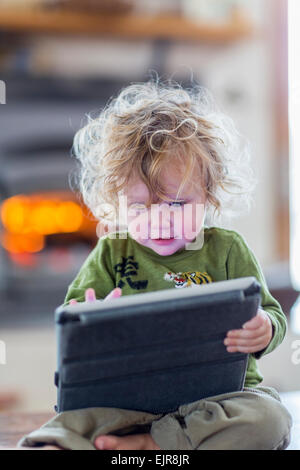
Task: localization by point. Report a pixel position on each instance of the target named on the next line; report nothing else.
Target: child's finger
(73, 302)
(247, 333)
(114, 294)
(245, 341)
(246, 349)
(90, 295)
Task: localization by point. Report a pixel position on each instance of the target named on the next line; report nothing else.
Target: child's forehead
(171, 182)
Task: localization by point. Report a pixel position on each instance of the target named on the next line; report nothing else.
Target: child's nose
(161, 221)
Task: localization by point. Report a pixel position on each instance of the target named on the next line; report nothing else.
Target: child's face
(165, 227)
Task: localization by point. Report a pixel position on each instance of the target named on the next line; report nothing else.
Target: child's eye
(177, 203)
(137, 207)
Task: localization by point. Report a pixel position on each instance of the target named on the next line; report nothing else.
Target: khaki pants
(248, 420)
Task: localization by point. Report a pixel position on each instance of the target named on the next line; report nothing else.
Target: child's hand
(90, 295)
(255, 335)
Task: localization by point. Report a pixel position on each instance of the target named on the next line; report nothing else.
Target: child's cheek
(193, 219)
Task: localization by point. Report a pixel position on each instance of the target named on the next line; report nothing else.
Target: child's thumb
(114, 294)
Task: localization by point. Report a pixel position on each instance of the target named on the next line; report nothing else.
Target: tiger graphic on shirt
(187, 279)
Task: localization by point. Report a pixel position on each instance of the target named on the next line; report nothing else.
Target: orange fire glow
(28, 219)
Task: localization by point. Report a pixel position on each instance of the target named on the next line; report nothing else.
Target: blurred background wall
(62, 59)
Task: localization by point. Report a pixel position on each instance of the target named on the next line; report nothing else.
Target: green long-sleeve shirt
(122, 262)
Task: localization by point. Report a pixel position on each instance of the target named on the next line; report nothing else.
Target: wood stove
(45, 230)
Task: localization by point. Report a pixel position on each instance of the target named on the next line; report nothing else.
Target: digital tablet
(153, 351)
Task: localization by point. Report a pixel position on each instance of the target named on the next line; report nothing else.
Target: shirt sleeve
(241, 262)
(95, 272)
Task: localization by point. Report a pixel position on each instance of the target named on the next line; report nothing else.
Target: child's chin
(161, 249)
(165, 250)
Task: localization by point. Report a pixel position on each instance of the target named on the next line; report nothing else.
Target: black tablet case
(153, 351)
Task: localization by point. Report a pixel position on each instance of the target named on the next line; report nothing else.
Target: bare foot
(132, 442)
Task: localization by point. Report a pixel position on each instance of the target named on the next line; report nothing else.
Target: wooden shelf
(130, 26)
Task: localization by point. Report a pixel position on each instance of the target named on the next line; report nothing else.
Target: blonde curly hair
(142, 128)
